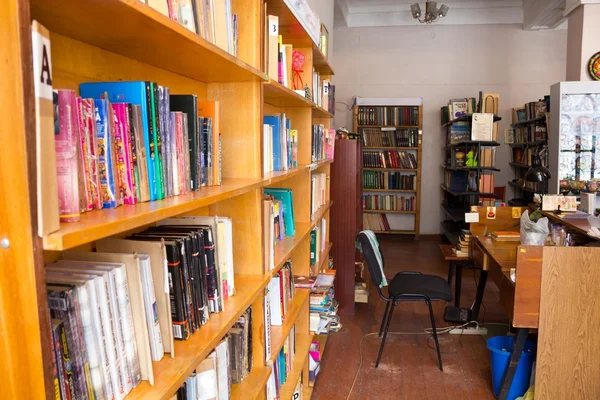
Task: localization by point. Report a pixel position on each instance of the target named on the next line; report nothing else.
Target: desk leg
(450, 272)
(459, 268)
(479, 295)
(514, 362)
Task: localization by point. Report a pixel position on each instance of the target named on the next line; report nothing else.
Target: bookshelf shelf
(278, 176)
(96, 225)
(320, 214)
(389, 126)
(250, 388)
(534, 143)
(280, 333)
(278, 95)
(320, 112)
(144, 34)
(465, 193)
(285, 247)
(324, 256)
(170, 373)
(303, 342)
(390, 169)
(295, 34)
(389, 148)
(529, 121)
(468, 118)
(388, 190)
(523, 188)
(388, 212)
(454, 215)
(319, 164)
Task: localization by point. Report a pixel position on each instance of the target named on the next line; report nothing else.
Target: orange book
(212, 110)
(506, 236)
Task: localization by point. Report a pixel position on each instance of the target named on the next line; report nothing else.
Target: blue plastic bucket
(500, 348)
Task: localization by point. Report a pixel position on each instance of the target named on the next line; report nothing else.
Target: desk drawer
(478, 256)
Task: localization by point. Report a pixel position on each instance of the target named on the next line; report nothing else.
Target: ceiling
(533, 14)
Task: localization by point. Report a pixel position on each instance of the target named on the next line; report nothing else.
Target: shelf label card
(472, 217)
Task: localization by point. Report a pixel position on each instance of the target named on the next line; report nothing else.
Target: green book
(158, 166)
(313, 247)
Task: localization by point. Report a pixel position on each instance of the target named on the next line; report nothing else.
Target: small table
(450, 256)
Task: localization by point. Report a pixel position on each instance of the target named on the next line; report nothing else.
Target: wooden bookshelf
(415, 150)
(323, 257)
(280, 333)
(147, 45)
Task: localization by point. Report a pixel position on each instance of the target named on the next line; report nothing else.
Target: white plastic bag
(533, 233)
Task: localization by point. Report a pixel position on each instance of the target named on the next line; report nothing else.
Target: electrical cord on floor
(426, 331)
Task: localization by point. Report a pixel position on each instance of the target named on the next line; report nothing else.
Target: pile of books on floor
(116, 311)
(323, 305)
(462, 246)
(129, 142)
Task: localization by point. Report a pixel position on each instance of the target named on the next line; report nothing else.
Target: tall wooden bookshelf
(376, 116)
(129, 40)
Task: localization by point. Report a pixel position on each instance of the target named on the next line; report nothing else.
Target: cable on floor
(426, 331)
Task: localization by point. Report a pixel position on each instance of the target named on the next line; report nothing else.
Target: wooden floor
(408, 368)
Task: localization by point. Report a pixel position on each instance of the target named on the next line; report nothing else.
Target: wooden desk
(579, 225)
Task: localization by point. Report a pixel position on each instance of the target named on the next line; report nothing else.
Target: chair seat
(434, 287)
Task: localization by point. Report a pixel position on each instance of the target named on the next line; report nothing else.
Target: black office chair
(405, 286)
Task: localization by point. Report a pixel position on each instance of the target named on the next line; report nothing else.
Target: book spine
(88, 120)
(114, 131)
(180, 323)
(178, 167)
(186, 152)
(86, 195)
(68, 363)
(174, 154)
(55, 371)
(164, 119)
(133, 153)
(209, 153)
(120, 142)
(144, 180)
(66, 147)
(152, 314)
(107, 186)
(63, 392)
(158, 170)
(151, 150)
(202, 121)
(129, 146)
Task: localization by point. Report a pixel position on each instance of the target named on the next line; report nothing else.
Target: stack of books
(213, 21)
(129, 142)
(506, 236)
(121, 308)
(323, 305)
(463, 244)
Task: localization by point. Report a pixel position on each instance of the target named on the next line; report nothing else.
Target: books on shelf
(531, 110)
(281, 292)
(322, 143)
(389, 159)
(318, 241)
(376, 222)
(463, 244)
(390, 180)
(388, 116)
(389, 137)
(285, 197)
(282, 366)
(280, 143)
(388, 202)
(273, 47)
(323, 92)
(459, 132)
(318, 192)
(212, 20)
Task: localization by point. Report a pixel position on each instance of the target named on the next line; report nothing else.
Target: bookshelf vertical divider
(369, 113)
(151, 47)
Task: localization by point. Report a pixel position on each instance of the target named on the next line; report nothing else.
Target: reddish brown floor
(408, 368)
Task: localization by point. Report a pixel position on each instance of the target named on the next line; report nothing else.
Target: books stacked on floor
(280, 143)
(376, 222)
(213, 21)
(389, 159)
(388, 202)
(281, 292)
(318, 191)
(322, 143)
(323, 305)
(389, 137)
(389, 116)
(129, 142)
(318, 242)
(115, 312)
(463, 244)
(389, 180)
(282, 365)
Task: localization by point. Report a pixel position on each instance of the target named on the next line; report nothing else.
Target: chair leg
(435, 337)
(387, 306)
(385, 332)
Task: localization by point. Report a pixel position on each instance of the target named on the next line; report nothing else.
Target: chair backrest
(371, 259)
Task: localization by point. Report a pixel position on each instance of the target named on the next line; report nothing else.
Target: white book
(284, 140)
(267, 316)
(101, 327)
(223, 374)
(121, 311)
(271, 390)
(228, 226)
(206, 378)
(275, 300)
(93, 342)
(156, 342)
(482, 127)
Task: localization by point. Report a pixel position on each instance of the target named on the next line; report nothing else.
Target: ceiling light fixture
(432, 13)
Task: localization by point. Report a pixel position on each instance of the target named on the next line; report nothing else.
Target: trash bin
(500, 348)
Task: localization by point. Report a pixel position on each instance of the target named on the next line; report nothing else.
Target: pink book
(86, 195)
(174, 153)
(125, 182)
(131, 151)
(88, 122)
(329, 143)
(65, 142)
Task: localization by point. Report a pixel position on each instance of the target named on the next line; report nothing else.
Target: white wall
(443, 62)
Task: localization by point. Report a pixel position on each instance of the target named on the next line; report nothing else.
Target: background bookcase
(86, 46)
(408, 222)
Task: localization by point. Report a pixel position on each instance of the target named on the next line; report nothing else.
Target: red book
(67, 163)
(86, 202)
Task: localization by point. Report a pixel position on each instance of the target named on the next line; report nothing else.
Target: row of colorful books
(280, 143)
(282, 366)
(229, 363)
(388, 116)
(281, 293)
(117, 310)
(213, 20)
(129, 142)
(388, 180)
(322, 143)
(389, 137)
(323, 92)
(318, 242)
(318, 192)
(278, 221)
(389, 159)
(388, 202)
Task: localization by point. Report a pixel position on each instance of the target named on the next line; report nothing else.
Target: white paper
(472, 217)
(482, 126)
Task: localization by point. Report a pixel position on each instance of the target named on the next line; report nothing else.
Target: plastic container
(500, 348)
